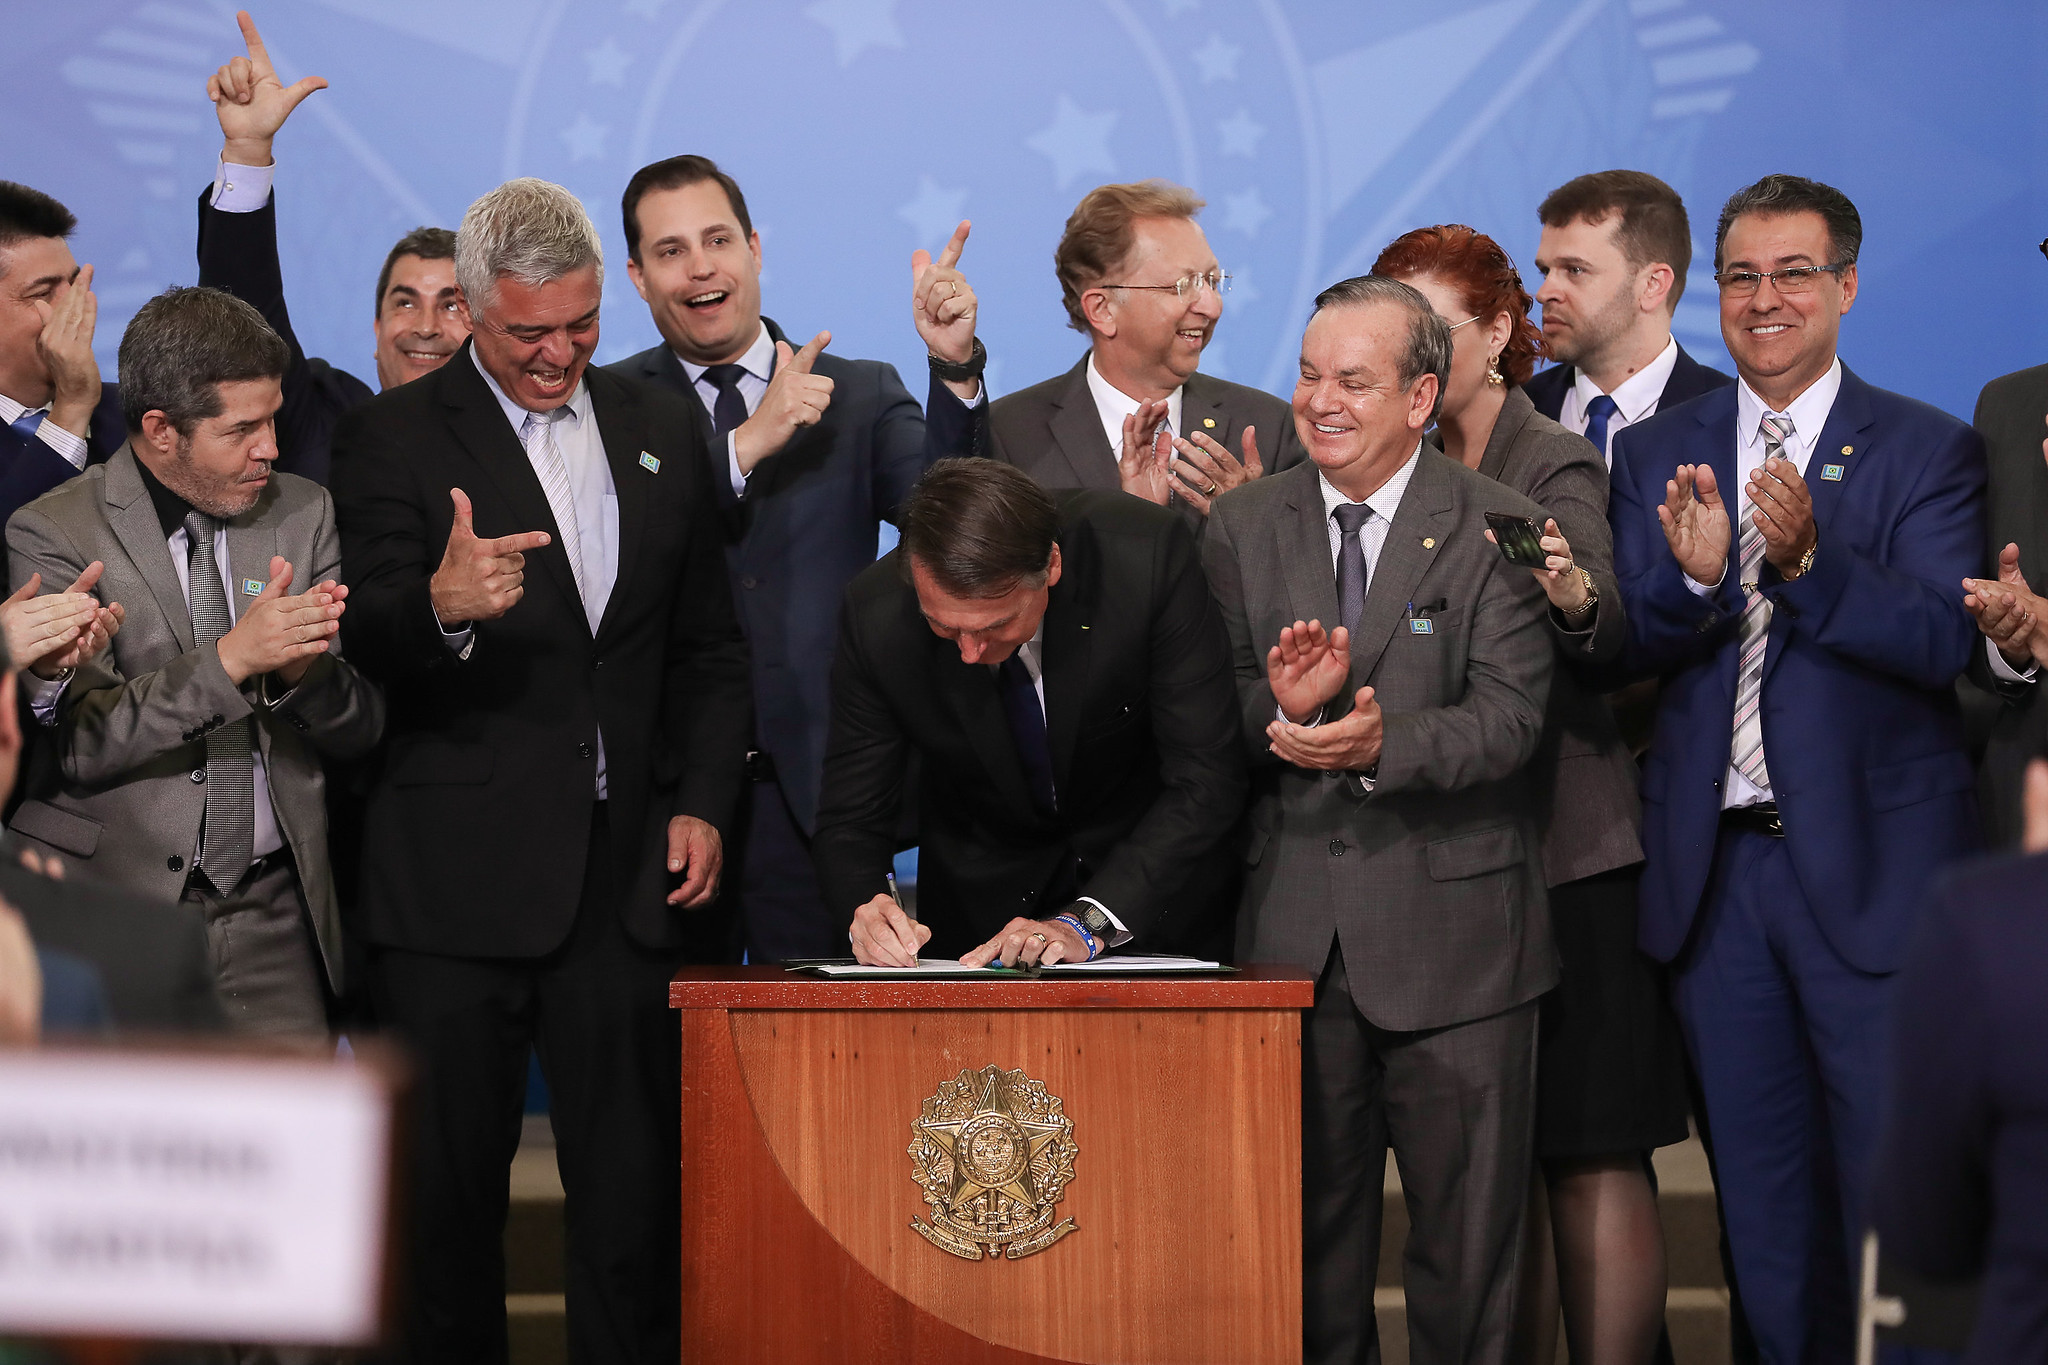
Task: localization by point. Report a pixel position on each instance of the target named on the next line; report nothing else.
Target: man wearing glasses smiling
(1139, 280)
(1808, 773)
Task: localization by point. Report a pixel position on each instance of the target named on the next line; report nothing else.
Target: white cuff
(241, 189)
(2004, 671)
(732, 463)
(1699, 589)
(69, 444)
(1122, 935)
(980, 397)
(44, 694)
(1280, 712)
(460, 641)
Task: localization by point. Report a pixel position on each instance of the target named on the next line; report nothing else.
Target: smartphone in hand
(1520, 540)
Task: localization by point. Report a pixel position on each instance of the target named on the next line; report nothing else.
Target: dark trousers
(777, 898)
(1789, 1044)
(1458, 1107)
(596, 1009)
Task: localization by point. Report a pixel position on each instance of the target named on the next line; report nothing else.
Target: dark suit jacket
(2010, 415)
(1689, 379)
(807, 526)
(478, 825)
(1431, 879)
(151, 958)
(29, 468)
(1960, 1190)
(1140, 715)
(73, 999)
(238, 253)
(1859, 707)
(1053, 432)
(1588, 811)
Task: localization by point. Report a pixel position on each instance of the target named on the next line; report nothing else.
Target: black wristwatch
(960, 373)
(1093, 918)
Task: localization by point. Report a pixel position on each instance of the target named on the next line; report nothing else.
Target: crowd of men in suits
(470, 708)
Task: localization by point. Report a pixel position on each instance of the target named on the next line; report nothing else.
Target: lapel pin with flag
(253, 586)
(1831, 472)
(649, 463)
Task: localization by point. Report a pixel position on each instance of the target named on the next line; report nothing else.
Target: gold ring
(1041, 938)
(1210, 491)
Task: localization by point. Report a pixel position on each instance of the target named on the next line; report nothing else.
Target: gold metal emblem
(994, 1153)
(1429, 542)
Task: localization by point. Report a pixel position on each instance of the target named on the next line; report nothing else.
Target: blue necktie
(1027, 729)
(1351, 517)
(1599, 413)
(29, 423)
(731, 408)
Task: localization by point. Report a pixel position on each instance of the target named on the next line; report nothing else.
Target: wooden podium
(822, 1120)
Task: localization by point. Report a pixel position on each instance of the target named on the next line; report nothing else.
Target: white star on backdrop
(607, 63)
(1217, 59)
(934, 213)
(1240, 133)
(584, 138)
(858, 25)
(1077, 141)
(1245, 212)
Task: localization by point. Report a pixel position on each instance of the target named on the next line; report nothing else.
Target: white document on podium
(1113, 965)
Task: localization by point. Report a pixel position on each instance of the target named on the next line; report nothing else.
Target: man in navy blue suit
(1613, 256)
(811, 453)
(55, 414)
(1807, 773)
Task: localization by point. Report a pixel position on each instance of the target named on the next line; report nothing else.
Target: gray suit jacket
(1590, 815)
(131, 727)
(1431, 880)
(1052, 431)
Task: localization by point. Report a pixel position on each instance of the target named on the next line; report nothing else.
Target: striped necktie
(537, 434)
(1747, 751)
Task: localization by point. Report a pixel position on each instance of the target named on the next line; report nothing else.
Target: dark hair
(1486, 280)
(1101, 231)
(1653, 228)
(26, 213)
(979, 527)
(1780, 194)
(674, 174)
(1429, 337)
(427, 243)
(182, 345)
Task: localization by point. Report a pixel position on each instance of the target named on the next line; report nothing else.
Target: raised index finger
(254, 42)
(518, 543)
(950, 253)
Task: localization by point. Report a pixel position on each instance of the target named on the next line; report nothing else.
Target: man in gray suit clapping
(188, 753)
(1393, 670)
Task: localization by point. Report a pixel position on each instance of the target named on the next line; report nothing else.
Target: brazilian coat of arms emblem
(994, 1153)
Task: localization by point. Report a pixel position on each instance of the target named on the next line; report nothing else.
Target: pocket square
(649, 463)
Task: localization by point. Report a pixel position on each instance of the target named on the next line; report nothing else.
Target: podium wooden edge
(1258, 987)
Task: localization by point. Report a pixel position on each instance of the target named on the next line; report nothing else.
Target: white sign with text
(193, 1196)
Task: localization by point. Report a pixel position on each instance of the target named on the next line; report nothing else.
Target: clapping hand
(58, 630)
(1141, 468)
(1307, 668)
(1348, 744)
(283, 634)
(1695, 522)
(251, 102)
(2008, 612)
(1204, 471)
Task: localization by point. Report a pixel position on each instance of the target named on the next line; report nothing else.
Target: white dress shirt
(597, 512)
(1112, 405)
(69, 444)
(759, 364)
(241, 189)
(1635, 398)
(1032, 655)
(44, 693)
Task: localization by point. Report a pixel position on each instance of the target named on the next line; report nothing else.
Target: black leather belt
(760, 766)
(1761, 818)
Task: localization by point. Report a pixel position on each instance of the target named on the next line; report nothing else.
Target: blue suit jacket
(807, 526)
(29, 468)
(1859, 709)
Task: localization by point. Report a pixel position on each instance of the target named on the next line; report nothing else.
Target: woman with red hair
(1609, 1084)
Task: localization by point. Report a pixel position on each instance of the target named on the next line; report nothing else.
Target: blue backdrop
(861, 129)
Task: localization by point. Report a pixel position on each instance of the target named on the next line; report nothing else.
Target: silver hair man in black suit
(1393, 671)
(1139, 281)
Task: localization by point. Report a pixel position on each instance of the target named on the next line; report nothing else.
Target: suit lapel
(1077, 433)
(970, 693)
(481, 427)
(1419, 531)
(1302, 543)
(620, 429)
(1515, 412)
(250, 549)
(133, 517)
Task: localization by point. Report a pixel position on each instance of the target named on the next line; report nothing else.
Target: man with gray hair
(1392, 672)
(188, 752)
(538, 577)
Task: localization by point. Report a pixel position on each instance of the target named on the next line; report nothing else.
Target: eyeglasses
(1187, 286)
(1793, 279)
(1456, 325)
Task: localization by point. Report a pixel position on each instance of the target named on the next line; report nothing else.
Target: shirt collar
(1636, 396)
(578, 404)
(1113, 402)
(1385, 500)
(11, 411)
(759, 360)
(1809, 411)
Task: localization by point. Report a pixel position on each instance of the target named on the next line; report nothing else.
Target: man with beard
(189, 752)
(1613, 256)
(1139, 281)
(417, 323)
